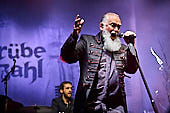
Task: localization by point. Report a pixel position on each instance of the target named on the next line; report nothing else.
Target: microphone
(121, 35)
(129, 38)
(115, 34)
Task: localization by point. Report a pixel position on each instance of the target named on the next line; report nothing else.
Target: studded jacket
(88, 51)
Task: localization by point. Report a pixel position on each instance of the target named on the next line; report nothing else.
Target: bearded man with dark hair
(63, 103)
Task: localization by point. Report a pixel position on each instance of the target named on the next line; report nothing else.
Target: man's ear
(101, 26)
(61, 91)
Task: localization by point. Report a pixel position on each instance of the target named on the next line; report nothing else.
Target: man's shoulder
(57, 99)
(87, 36)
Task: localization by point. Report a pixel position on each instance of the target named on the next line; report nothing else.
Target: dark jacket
(58, 105)
(88, 51)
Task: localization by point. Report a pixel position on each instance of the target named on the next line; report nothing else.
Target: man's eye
(115, 25)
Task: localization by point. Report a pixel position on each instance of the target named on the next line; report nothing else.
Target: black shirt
(59, 106)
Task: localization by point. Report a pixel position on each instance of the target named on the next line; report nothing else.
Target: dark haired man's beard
(109, 44)
(66, 96)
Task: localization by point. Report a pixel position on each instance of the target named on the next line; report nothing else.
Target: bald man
(103, 60)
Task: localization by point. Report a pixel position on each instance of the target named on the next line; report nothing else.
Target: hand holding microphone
(128, 36)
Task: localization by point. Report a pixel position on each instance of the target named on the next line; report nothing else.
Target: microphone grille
(120, 35)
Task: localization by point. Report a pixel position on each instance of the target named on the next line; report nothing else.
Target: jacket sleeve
(131, 64)
(72, 50)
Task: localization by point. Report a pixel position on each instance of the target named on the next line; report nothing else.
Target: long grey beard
(109, 44)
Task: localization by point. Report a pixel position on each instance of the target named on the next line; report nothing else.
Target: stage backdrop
(33, 31)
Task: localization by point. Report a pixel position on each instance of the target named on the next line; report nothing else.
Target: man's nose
(116, 28)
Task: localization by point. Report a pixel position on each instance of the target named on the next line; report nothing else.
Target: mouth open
(113, 33)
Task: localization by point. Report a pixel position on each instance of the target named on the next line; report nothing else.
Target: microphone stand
(5, 79)
(133, 51)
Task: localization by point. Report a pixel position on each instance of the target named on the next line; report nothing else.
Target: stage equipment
(133, 51)
(5, 79)
(35, 109)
